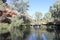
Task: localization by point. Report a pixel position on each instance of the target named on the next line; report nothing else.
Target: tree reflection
(54, 28)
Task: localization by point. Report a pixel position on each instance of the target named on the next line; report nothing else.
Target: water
(44, 37)
(33, 36)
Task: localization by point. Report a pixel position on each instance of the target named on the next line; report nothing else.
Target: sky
(39, 6)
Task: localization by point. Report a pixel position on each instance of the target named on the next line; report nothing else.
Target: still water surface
(34, 36)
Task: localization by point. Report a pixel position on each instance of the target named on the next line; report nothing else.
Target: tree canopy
(38, 16)
(21, 5)
(55, 10)
(19, 23)
(47, 17)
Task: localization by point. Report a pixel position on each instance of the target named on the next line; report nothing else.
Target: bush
(50, 28)
(43, 27)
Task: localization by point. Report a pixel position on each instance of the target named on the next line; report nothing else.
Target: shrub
(43, 27)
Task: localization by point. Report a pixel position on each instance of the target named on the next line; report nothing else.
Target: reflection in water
(43, 37)
(34, 37)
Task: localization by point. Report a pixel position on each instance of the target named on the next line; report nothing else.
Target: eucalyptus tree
(38, 16)
(47, 17)
(55, 10)
(21, 5)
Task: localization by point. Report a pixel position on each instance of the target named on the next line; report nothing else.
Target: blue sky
(39, 5)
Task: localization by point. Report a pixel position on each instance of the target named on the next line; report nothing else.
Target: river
(41, 36)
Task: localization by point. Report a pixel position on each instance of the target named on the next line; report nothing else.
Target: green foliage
(3, 28)
(55, 10)
(13, 27)
(38, 16)
(0, 0)
(51, 27)
(2, 6)
(18, 25)
(21, 5)
(48, 17)
(43, 27)
(15, 24)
